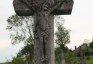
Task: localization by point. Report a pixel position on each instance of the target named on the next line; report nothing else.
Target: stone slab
(22, 10)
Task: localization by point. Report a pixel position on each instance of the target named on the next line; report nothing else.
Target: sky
(79, 22)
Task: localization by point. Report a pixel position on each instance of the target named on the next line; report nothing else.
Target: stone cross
(43, 12)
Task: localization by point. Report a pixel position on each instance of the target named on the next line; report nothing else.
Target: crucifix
(43, 12)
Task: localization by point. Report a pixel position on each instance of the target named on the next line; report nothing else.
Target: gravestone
(43, 12)
(82, 60)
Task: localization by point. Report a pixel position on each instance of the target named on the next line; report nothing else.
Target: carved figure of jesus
(43, 12)
(42, 9)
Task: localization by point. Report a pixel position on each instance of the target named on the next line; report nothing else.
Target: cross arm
(65, 8)
(23, 10)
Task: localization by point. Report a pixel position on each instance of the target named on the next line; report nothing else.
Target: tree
(62, 38)
(21, 28)
(27, 53)
(58, 54)
(16, 60)
(91, 45)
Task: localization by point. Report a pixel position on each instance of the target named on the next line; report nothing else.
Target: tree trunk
(44, 38)
(62, 57)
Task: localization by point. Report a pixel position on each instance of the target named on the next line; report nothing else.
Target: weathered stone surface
(22, 10)
(44, 39)
(66, 8)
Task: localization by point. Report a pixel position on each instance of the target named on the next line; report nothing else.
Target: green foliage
(62, 38)
(27, 52)
(62, 35)
(16, 60)
(58, 55)
(85, 49)
(21, 28)
(26, 55)
(91, 45)
(89, 61)
(70, 57)
(7, 62)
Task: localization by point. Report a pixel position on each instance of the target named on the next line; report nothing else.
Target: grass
(89, 60)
